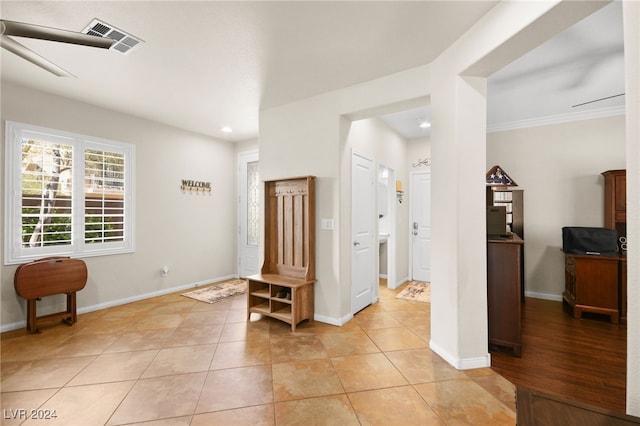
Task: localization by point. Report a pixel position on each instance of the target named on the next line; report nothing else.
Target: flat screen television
(496, 221)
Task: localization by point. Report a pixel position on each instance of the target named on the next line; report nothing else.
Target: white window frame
(14, 250)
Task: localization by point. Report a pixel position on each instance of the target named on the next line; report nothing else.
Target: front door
(362, 232)
(420, 202)
(248, 214)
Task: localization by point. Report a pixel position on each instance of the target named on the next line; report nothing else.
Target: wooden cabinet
(284, 288)
(591, 285)
(615, 200)
(504, 293)
(615, 217)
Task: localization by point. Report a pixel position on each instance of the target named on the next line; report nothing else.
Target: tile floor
(171, 360)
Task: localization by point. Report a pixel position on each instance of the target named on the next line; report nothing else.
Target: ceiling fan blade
(20, 29)
(14, 47)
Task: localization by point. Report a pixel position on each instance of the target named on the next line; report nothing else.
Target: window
(67, 194)
(253, 204)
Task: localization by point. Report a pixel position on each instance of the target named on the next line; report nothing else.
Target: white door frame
(393, 231)
(243, 159)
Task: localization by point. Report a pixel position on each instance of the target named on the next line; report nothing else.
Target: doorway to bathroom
(387, 229)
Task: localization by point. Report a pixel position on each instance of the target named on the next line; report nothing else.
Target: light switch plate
(327, 224)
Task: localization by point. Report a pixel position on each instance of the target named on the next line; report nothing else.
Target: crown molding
(557, 119)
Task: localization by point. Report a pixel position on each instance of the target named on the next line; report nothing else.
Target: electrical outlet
(165, 271)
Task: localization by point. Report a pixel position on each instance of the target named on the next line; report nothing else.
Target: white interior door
(248, 214)
(420, 205)
(363, 211)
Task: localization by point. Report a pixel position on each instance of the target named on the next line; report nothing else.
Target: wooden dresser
(284, 288)
(504, 293)
(591, 284)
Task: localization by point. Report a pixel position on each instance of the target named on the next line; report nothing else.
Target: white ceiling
(558, 81)
(209, 64)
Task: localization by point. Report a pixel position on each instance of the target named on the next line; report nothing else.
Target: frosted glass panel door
(248, 214)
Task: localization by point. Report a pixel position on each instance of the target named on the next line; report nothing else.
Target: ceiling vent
(124, 42)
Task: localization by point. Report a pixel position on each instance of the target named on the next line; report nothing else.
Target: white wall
(192, 233)
(559, 168)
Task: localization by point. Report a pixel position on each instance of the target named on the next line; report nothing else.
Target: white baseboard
(83, 310)
(339, 322)
(461, 363)
(545, 296)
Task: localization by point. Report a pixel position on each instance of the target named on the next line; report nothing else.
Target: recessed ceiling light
(227, 129)
(425, 125)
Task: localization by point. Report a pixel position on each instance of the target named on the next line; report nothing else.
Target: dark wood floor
(582, 360)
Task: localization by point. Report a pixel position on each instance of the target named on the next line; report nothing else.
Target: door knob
(356, 243)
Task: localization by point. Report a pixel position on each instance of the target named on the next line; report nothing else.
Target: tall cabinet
(284, 288)
(615, 217)
(505, 265)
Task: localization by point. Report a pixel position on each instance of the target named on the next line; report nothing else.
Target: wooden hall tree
(284, 288)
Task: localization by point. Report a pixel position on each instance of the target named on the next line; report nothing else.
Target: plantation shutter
(104, 189)
(46, 187)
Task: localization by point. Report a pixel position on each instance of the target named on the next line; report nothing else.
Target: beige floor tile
(241, 354)
(115, 367)
(245, 330)
(322, 328)
(20, 346)
(16, 406)
(203, 318)
(181, 360)
(158, 321)
(140, 340)
(84, 405)
(85, 344)
(223, 305)
(45, 373)
(465, 402)
(181, 306)
(501, 388)
(322, 411)
(369, 371)
(305, 379)
(286, 348)
(400, 406)
(371, 320)
(395, 339)
(261, 415)
(195, 335)
(412, 318)
(159, 398)
(350, 343)
(237, 315)
(173, 421)
(423, 366)
(236, 388)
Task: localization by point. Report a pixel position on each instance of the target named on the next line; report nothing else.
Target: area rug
(417, 291)
(217, 292)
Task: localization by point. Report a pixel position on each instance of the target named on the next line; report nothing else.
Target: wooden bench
(284, 288)
(47, 277)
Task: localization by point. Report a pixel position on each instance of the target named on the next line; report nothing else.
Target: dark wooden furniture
(47, 277)
(504, 293)
(284, 288)
(513, 200)
(539, 409)
(591, 285)
(615, 200)
(615, 217)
